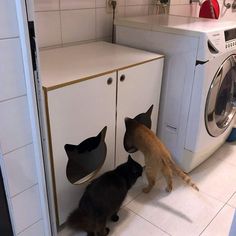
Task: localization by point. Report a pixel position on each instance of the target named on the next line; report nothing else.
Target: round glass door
(221, 98)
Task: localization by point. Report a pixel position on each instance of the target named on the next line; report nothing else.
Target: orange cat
(157, 157)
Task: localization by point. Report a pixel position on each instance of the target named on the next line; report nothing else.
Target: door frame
(25, 13)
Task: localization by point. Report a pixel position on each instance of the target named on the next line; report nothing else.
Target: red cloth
(205, 10)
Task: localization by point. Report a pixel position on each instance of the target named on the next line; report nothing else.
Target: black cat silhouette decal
(143, 118)
(86, 158)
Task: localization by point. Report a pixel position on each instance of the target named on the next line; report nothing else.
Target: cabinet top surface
(62, 66)
(184, 25)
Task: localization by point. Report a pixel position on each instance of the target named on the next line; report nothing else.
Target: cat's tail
(186, 178)
(167, 159)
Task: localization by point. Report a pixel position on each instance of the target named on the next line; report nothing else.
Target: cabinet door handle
(109, 81)
(122, 78)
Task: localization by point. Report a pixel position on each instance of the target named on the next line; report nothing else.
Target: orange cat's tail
(169, 162)
(186, 178)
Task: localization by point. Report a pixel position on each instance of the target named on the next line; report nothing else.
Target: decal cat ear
(145, 118)
(69, 148)
(86, 158)
(127, 119)
(71, 151)
(102, 134)
(130, 159)
(149, 111)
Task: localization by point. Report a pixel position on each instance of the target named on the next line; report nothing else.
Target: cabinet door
(77, 112)
(136, 93)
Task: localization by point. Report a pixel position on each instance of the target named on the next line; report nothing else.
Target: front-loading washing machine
(199, 81)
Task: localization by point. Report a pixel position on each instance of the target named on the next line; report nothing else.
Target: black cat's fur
(103, 197)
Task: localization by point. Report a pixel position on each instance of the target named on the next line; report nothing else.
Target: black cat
(103, 197)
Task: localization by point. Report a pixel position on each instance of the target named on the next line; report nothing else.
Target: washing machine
(198, 90)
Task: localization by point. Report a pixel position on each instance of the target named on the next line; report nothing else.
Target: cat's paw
(107, 230)
(146, 190)
(115, 218)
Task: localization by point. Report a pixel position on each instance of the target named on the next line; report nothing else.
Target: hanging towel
(210, 9)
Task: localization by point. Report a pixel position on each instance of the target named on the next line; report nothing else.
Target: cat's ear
(145, 118)
(130, 159)
(127, 119)
(102, 134)
(69, 147)
(149, 111)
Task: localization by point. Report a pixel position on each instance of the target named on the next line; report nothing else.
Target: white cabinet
(77, 112)
(84, 93)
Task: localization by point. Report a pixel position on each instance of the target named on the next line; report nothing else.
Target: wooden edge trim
(46, 89)
(51, 157)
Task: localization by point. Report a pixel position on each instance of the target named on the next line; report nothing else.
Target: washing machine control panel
(230, 38)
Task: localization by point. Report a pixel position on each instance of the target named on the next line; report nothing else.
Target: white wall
(68, 21)
(17, 156)
(182, 7)
(61, 22)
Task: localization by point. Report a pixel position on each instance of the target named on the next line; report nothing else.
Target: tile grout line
(136, 196)
(8, 38)
(33, 185)
(22, 231)
(209, 195)
(89, 8)
(156, 226)
(16, 149)
(12, 98)
(217, 214)
(139, 194)
(60, 18)
(224, 204)
(204, 193)
(230, 199)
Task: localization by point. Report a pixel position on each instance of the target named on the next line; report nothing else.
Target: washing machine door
(221, 99)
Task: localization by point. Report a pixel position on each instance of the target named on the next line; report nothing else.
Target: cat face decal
(86, 158)
(143, 118)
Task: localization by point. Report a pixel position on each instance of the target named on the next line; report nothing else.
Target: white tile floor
(184, 211)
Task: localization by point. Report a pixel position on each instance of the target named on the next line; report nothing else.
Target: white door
(77, 112)
(138, 88)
